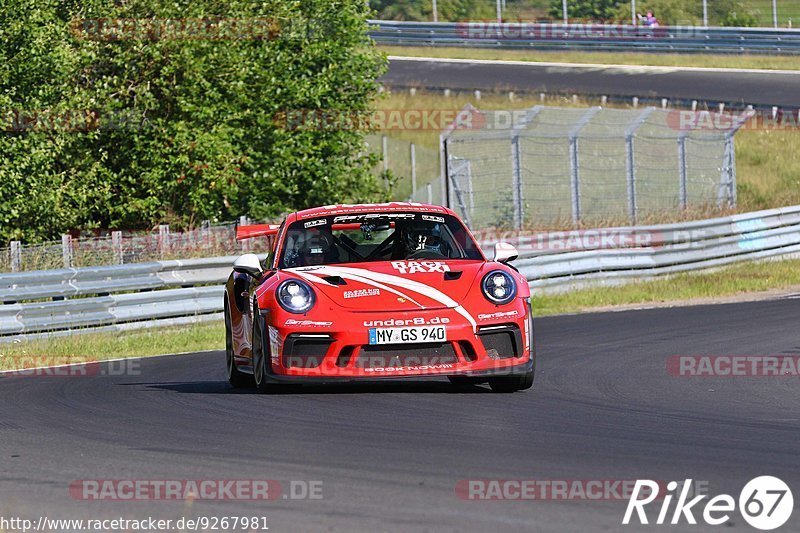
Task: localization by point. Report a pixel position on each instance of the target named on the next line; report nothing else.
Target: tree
(585, 9)
(183, 107)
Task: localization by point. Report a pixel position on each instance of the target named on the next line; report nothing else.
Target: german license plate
(407, 335)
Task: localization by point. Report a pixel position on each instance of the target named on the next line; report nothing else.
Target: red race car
(359, 292)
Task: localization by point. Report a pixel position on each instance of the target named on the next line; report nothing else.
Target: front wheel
(260, 359)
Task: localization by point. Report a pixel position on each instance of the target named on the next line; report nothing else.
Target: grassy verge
(102, 346)
(604, 58)
(732, 281)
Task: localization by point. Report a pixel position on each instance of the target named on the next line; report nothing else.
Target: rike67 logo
(765, 503)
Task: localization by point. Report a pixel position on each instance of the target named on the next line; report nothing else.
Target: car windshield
(366, 237)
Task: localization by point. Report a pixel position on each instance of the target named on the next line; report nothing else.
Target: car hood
(394, 285)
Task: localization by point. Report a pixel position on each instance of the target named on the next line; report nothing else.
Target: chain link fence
(565, 166)
(415, 165)
(118, 248)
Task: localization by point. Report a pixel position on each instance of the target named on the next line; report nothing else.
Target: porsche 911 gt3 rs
(373, 291)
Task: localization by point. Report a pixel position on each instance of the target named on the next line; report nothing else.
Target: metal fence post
(630, 162)
(574, 170)
(16, 256)
(444, 170)
(574, 180)
(516, 182)
(163, 240)
(727, 180)
(413, 150)
(243, 221)
(385, 153)
(116, 244)
(631, 178)
(683, 193)
(66, 250)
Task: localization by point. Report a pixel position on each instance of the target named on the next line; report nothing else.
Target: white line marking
(597, 66)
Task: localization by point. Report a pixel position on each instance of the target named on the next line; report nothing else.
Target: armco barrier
(179, 292)
(522, 35)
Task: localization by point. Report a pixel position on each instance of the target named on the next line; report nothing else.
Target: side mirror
(504, 252)
(248, 264)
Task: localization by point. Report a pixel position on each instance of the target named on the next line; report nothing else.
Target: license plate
(407, 335)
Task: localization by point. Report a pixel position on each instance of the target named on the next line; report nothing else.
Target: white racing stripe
(408, 284)
(362, 279)
(379, 280)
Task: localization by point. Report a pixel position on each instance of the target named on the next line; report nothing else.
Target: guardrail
(522, 35)
(179, 292)
(562, 261)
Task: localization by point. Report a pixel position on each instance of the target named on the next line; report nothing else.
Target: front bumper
(340, 351)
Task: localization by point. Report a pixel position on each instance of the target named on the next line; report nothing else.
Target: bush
(131, 132)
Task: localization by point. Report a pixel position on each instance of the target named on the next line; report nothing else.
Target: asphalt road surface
(390, 456)
(758, 88)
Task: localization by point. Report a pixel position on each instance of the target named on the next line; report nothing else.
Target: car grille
(501, 342)
(410, 355)
(305, 352)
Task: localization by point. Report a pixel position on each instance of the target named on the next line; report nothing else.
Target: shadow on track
(411, 387)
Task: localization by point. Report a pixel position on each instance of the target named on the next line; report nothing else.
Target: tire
(260, 359)
(237, 378)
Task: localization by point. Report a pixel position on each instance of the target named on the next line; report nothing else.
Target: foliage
(448, 10)
(690, 12)
(135, 128)
(585, 9)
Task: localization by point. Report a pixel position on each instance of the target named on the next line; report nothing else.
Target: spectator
(648, 20)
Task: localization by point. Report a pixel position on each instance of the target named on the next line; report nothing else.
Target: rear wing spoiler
(256, 230)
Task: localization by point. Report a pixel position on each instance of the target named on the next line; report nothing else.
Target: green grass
(605, 58)
(91, 347)
(730, 281)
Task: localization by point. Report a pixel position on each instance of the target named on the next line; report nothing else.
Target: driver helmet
(425, 236)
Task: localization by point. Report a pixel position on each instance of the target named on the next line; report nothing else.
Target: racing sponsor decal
(307, 323)
(433, 218)
(412, 267)
(315, 223)
(361, 293)
(400, 322)
(372, 216)
(498, 316)
(417, 368)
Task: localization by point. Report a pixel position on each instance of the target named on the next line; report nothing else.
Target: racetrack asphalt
(762, 89)
(390, 455)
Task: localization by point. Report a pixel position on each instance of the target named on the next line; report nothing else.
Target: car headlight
(295, 296)
(499, 287)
